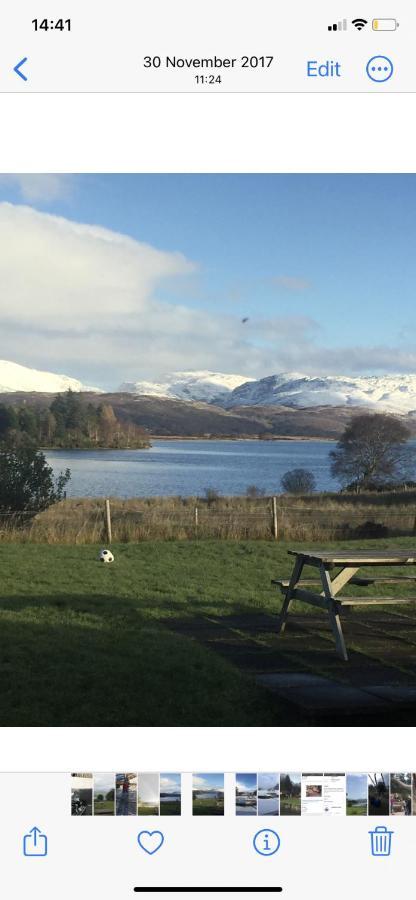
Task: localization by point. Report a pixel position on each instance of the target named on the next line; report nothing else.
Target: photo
(104, 795)
(379, 794)
(170, 794)
(148, 794)
(246, 794)
(401, 794)
(268, 793)
(81, 793)
(414, 794)
(357, 794)
(208, 795)
(290, 794)
(126, 794)
(195, 371)
(314, 791)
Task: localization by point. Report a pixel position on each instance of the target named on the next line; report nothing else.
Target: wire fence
(100, 520)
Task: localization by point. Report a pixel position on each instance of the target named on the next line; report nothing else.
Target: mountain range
(212, 402)
(392, 393)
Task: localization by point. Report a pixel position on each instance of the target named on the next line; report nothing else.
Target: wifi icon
(359, 24)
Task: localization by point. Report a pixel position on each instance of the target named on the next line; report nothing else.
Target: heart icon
(150, 841)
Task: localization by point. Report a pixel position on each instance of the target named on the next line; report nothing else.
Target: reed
(313, 518)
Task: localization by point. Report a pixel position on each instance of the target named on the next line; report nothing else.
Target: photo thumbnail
(290, 794)
(268, 793)
(379, 794)
(246, 794)
(148, 794)
(170, 794)
(104, 795)
(82, 793)
(126, 794)
(208, 795)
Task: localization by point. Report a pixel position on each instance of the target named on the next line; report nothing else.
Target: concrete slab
(396, 693)
(278, 680)
(316, 693)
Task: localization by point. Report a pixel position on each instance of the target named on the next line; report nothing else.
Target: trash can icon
(380, 841)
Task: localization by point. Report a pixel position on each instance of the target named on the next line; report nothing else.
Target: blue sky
(170, 782)
(356, 787)
(208, 781)
(323, 267)
(246, 781)
(268, 780)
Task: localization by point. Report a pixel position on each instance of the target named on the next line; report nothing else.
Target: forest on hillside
(68, 422)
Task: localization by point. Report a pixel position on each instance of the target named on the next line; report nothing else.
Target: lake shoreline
(205, 440)
(235, 440)
(189, 467)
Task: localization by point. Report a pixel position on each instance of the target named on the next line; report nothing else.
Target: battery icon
(385, 24)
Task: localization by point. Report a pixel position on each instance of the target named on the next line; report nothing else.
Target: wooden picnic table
(336, 569)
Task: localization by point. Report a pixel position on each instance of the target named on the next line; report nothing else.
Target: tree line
(68, 422)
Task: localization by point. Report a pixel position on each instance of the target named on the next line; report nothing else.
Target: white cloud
(197, 781)
(80, 293)
(40, 188)
(170, 783)
(86, 301)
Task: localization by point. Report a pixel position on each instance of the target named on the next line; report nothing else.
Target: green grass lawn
(207, 807)
(82, 643)
(354, 810)
(290, 806)
(104, 808)
(170, 807)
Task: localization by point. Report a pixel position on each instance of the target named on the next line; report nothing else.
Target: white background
(227, 133)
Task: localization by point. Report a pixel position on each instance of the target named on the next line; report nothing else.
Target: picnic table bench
(336, 569)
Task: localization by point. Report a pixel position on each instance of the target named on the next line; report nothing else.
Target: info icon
(266, 842)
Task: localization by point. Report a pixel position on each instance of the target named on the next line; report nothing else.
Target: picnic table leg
(333, 614)
(294, 578)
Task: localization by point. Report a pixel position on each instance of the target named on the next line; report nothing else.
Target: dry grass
(314, 518)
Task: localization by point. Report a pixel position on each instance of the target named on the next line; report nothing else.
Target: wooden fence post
(274, 510)
(196, 520)
(108, 520)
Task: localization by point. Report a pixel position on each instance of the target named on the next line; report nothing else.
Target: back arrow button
(18, 67)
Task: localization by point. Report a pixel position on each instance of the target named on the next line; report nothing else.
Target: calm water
(269, 806)
(186, 468)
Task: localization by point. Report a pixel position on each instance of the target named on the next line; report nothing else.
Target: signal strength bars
(338, 26)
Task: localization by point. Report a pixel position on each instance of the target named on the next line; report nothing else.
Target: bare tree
(298, 481)
(373, 451)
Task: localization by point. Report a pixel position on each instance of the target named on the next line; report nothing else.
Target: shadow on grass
(64, 666)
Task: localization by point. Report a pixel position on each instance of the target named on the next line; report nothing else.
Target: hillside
(168, 418)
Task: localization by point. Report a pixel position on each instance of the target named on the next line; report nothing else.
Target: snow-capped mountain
(20, 378)
(209, 387)
(391, 393)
